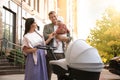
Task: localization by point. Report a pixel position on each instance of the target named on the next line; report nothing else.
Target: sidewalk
(105, 75)
(19, 77)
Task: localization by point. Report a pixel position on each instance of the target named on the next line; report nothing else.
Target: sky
(89, 11)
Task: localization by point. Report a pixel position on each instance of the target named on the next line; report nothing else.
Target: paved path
(105, 75)
(19, 77)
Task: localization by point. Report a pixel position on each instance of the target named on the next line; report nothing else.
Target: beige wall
(75, 17)
(68, 10)
(62, 9)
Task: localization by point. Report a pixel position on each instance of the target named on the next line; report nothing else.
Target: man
(52, 37)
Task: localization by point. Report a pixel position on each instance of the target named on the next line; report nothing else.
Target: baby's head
(60, 20)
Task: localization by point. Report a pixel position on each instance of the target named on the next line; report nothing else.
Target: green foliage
(16, 57)
(106, 35)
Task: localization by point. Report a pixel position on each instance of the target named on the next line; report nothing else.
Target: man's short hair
(51, 12)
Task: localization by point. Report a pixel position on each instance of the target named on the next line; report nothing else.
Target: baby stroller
(82, 62)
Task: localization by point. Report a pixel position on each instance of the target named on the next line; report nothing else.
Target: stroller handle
(46, 47)
(51, 49)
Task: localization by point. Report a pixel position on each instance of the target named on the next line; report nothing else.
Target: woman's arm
(29, 49)
(51, 36)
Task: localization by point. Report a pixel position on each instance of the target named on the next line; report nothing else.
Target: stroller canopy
(81, 55)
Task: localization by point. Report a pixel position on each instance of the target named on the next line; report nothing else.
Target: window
(9, 21)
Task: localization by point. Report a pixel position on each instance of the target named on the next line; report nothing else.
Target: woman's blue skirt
(36, 71)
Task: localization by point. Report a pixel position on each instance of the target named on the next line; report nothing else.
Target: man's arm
(66, 39)
(48, 33)
(69, 37)
(45, 32)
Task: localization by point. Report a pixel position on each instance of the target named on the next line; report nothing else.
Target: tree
(106, 35)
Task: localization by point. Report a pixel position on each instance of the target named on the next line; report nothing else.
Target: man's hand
(62, 38)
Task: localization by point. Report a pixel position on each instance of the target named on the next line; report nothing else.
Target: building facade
(14, 12)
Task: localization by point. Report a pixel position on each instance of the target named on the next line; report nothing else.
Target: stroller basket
(83, 75)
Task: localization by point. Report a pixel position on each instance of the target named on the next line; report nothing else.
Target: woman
(35, 67)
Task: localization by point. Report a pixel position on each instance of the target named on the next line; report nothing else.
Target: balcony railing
(12, 54)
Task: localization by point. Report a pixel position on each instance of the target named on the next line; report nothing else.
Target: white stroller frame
(82, 62)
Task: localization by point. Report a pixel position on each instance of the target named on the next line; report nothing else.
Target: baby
(62, 29)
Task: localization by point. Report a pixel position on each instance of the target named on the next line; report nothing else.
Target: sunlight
(91, 10)
(116, 4)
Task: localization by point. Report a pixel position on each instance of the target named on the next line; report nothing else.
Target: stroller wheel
(63, 77)
(60, 72)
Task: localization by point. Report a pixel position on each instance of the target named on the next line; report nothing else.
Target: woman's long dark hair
(28, 23)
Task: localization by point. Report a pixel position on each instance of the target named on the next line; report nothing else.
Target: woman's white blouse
(32, 40)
